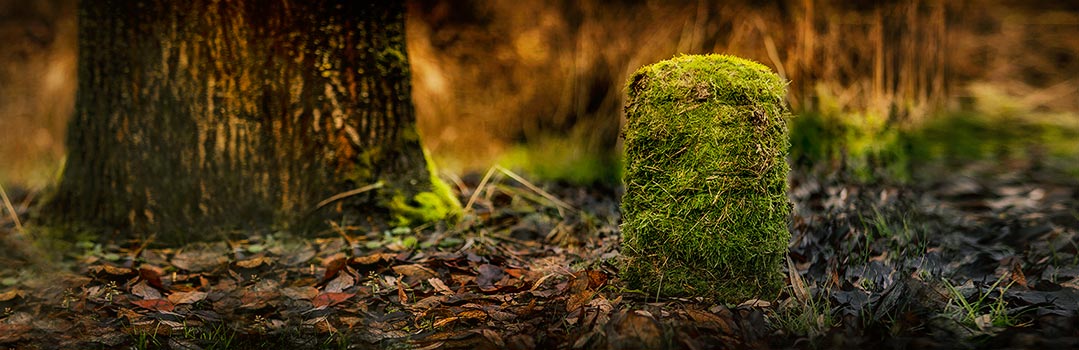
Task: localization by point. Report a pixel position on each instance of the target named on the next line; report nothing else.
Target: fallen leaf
(145, 291)
(253, 300)
(488, 275)
(539, 282)
(199, 259)
(10, 333)
(12, 294)
(334, 266)
(432, 346)
(440, 286)
(152, 275)
(755, 303)
(418, 272)
(187, 297)
(372, 259)
(1017, 274)
(254, 262)
(106, 269)
(129, 314)
(442, 322)
(296, 257)
(493, 337)
(472, 314)
(402, 296)
(596, 279)
(709, 318)
(633, 330)
(339, 284)
(516, 273)
(330, 299)
(300, 293)
(579, 299)
(155, 304)
(350, 321)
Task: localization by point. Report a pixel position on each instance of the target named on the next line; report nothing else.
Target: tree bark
(202, 116)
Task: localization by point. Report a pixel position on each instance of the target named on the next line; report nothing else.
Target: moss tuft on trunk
(705, 211)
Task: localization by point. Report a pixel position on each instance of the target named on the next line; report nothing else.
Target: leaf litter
(984, 257)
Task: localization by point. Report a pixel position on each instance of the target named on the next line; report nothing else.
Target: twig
(347, 194)
(11, 210)
(455, 179)
(559, 203)
(348, 239)
(479, 188)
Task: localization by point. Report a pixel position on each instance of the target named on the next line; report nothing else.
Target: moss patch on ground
(705, 211)
(869, 147)
(428, 206)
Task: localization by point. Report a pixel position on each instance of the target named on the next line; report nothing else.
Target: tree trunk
(195, 117)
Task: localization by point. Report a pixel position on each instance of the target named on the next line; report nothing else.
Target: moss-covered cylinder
(705, 210)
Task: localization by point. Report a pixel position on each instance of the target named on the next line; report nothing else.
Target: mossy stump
(705, 211)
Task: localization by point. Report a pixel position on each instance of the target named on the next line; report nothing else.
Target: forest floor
(984, 256)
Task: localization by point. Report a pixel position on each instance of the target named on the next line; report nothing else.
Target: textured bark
(194, 117)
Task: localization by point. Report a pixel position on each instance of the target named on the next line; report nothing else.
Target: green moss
(872, 147)
(863, 145)
(705, 211)
(427, 206)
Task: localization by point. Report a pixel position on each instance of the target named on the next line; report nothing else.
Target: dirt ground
(983, 256)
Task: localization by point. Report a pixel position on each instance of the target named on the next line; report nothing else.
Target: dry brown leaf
(579, 299)
(501, 316)
(634, 328)
(1017, 274)
(402, 297)
(254, 262)
(539, 282)
(187, 297)
(432, 346)
(350, 321)
(596, 279)
(152, 275)
(253, 300)
(493, 337)
(488, 275)
(442, 322)
(440, 286)
(12, 294)
(155, 304)
(339, 284)
(333, 265)
(709, 318)
(129, 314)
(427, 303)
(755, 303)
(145, 291)
(330, 299)
(578, 283)
(111, 270)
(415, 271)
(472, 314)
(300, 293)
(325, 327)
(199, 260)
(516, 273)
(797, 284)
(372, 259)
(10, 333)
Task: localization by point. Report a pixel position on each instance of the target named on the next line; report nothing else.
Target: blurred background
(876, 86)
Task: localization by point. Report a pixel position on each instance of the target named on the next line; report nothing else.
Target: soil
(981, 256)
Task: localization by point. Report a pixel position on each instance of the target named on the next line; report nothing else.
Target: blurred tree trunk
(195, 117)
